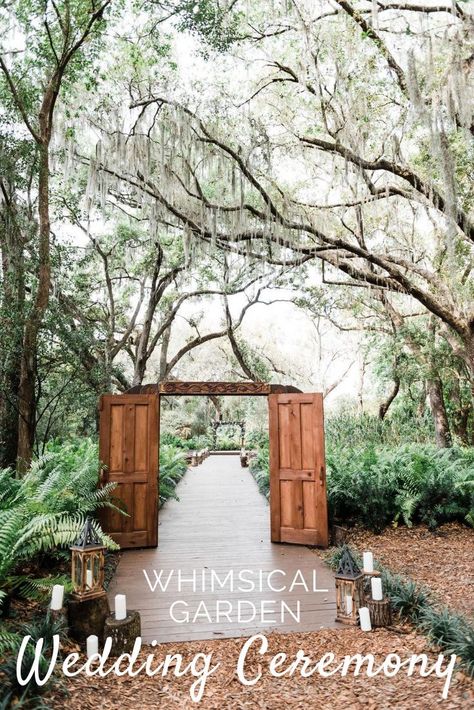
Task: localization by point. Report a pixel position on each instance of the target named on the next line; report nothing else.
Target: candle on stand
(92, 644)
(120, 607)
(364, 618)
(57, 597)
(348, 605)
(89, 578)
(368, 562)
(377, 594)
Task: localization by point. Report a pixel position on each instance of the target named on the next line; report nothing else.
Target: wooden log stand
(244, 459)
(86, 617)
(123, 633)
(380, 612)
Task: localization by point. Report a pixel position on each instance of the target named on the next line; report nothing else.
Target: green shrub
(43, 512)
(408, 599)
(256, 439)
(173, 466)
(192, 444)
(348, 429)
(442, 627)
(226, 443)
(12, 694)
(414, 483)
(260, 468)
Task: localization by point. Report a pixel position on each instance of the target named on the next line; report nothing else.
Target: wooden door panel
(129, 451)
(298, 501)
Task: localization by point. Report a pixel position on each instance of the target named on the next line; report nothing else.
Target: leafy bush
(43, 512)
(227, 443)
(408, 599)
(348, 430)
(173, 466)
(12, 694)
(260, 468)
(193, 444)
(256, 439)
(414, 483)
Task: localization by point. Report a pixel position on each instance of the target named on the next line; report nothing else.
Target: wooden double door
(129, 453)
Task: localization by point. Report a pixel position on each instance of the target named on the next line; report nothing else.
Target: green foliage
(412, 483)
(407, 598)
(43, 512)
(348, 429)
(227, 443)
(260, 465)
(192, 444)
(216, 26)
(402, 484)
(256, 439)
(172, 468)
(11, 692)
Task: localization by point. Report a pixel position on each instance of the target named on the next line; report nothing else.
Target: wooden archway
(235, 423)
(129, 452)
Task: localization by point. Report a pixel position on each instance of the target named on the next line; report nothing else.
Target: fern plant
(173, 466)
(44, 511)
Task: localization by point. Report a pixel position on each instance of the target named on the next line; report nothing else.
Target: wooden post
(87, 616)
(123, 632)
(380, 612)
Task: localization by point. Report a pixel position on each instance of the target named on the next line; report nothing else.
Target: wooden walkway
(219, 525)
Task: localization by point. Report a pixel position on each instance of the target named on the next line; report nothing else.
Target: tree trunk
(165, 341)
(461, 415)
(421, 407)
(385, 406)
(438, 410)
(470, 355)
(27, 387)
(12, 321)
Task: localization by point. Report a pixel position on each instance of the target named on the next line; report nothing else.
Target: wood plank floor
(221, 524)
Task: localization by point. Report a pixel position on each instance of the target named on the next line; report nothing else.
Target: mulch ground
(224, 691)
(442, 560)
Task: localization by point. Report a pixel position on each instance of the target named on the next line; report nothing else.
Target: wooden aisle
(221, 523)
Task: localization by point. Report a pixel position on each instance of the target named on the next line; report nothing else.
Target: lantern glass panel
(96, 569)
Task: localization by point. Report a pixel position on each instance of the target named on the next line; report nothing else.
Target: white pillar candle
(92, 644)
(377, 594)
(89, 578)
(364, 618)
(368, 562)
(348, 605)
(57, 597)
(120, 607)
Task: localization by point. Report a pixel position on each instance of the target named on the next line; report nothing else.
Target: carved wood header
(175, 387)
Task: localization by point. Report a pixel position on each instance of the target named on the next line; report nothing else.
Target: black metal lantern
(87, 564)
(349, 589)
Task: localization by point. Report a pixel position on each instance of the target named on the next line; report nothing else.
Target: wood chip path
(221, 522)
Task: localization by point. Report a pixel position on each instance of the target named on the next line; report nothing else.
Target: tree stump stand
(123, 633)
(338, 535)
(380, 612)
(244, 459)
(59, 616)
(86, 617)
